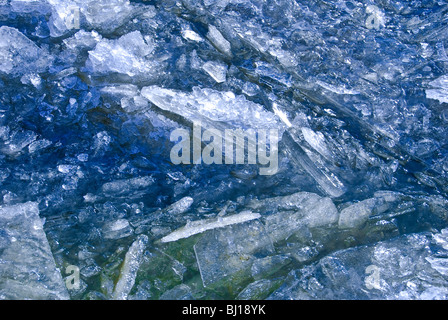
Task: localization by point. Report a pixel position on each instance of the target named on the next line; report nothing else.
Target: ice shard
(199, 226)
(19, 55)
(27, 268)
(129, 269)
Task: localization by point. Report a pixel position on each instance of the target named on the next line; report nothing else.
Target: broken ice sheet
(129, 54)
(285, 215)
(267, 50)
(18, 140)
(125, 186)
(217, 39)
(401, 268)
(199, 226)
(116, 229)
(216, 70)
(258, 290)
(225, 251)
(129, 269)
(211, 107)
(19, 55)
(103, 15)
(27, 266)
(440, 91)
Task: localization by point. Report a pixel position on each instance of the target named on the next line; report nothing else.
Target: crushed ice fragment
(124, 186)
(19, 55)
(28, 269)
(129, 269)
(217, 39)
(227, 252)
(216, 70)
(212, 106)
(191, 35)
(129, 54)
(200, 226)
(440, 89)
(180, 206)
(116, 229)
(356, 214)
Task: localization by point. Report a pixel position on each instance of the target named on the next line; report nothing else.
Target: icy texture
(224, 252)
(91, 90)
(216, 70)
(402, 268)
(129, 269)
(128, 55)
(211, 106)
(200, 226)
(292, 212)
(356, 214)
(19, 55)
(440, 92)
(180, 206)
(28, 269)
(102, 15)
(217, 39)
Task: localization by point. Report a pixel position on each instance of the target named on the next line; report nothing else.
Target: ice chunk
(38, 145)
(211, 106)
(27, 268)
(266, 267)
(83, 40)
(288, 214)
(129, 54)
(216, 70)
(29, 6)
(200, 226)
(257, 290)
(106, 15)
(180, 206)
(327, 181)
(217, 39)
(442, 238)
(225, 251)
(124, 90)
(357, 214)
(103, 15)
(33, 79)
(19, 55)
(189, 34)
(317, 141)
(439, 264)
(126, 186)
(269, 71)
(18, 140)
(401, 268)
(129, 269)
(440, 92)
(116, 229)
(179, 292)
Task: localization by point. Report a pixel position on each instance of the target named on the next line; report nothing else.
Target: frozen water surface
(90, 92)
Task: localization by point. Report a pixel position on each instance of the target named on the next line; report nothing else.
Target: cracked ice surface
(90, 92)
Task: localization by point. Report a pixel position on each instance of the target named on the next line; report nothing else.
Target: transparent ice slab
(27, 266)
